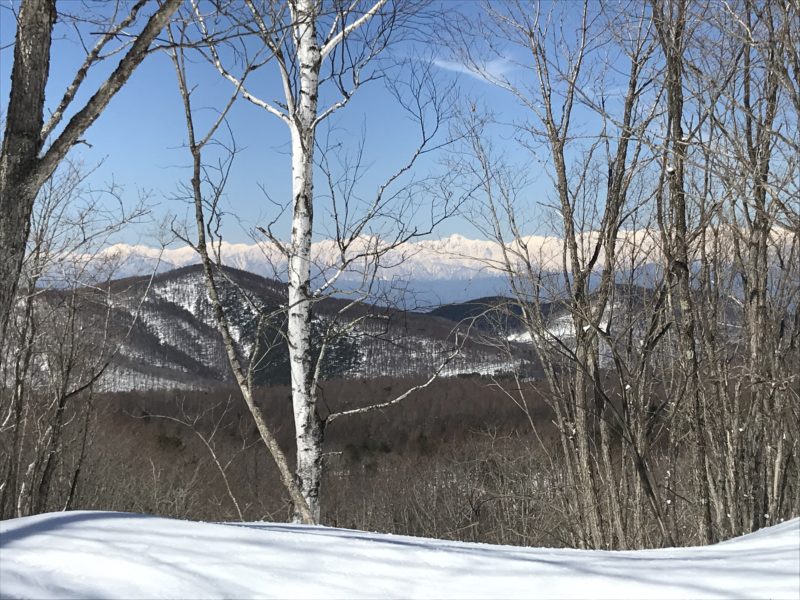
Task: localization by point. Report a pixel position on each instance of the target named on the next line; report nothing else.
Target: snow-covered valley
(121, 555)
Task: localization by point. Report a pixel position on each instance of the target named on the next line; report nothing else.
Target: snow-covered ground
(118, 555)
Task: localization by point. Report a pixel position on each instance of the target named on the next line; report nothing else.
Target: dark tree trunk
(22, 141)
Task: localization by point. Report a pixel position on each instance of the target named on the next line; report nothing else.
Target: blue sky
(139, 137)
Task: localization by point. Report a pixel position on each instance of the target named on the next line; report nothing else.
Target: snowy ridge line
(453, 257)
(121, 555)
(175, 343)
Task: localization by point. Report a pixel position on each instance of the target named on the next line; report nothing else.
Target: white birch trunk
(308, 426)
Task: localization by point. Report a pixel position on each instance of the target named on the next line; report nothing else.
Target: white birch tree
(324, 49)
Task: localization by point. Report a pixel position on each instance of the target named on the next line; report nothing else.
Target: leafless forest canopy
(638, 386)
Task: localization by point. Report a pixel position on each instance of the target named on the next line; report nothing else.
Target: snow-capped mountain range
(451, 269)
(435, 271)
(423, 290)
(452, 257)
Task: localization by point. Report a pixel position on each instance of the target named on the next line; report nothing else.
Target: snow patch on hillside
(119, 555)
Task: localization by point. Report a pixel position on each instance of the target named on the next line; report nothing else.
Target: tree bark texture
(22, 142)
(308, 425)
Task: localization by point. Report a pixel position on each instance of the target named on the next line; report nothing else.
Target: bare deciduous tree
(318, 49)
(59, 343)
(682, 180)
(27, 158)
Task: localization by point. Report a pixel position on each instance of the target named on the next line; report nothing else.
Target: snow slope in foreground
(118, 555)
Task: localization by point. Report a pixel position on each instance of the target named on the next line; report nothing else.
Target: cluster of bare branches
(52, 227)
(668, 131)
(60, 339)
(33, 148)
(322, 51)
(675, 385)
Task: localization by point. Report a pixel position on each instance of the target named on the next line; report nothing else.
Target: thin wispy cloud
(494, 70)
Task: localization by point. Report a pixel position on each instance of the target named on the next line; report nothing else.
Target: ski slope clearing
(118, 555)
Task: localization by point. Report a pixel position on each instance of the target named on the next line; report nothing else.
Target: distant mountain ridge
(169, 339)
(436, 271)
(174, 342)
(431, 272)
(453, 257)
